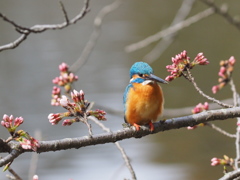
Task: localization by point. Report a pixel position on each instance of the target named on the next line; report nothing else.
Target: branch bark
(111, 137)
(41, 28)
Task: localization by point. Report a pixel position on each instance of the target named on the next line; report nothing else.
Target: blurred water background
(26, 73)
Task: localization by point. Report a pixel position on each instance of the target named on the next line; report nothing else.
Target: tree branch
(170, 30)
(213, 126)
(182, 13)
(120, 148)
(174, 123)
(10, 157)
(94, 36)
(231, 175)
(223, 12)
(191, 79)
(40, 28)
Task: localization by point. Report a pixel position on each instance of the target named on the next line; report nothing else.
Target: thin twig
(64, 12)
(41, 28)
(182, 13)
(191, 78)
(236, 103)
(89, 128)
(34, 158)
(94, 36)
(124, 155)
(172, 29)
(220, 130)
(16, 176)
(234, 91)
(223, 12)
(18, 27)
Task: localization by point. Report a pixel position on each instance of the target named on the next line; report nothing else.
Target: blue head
(143, 72)
(140, 68)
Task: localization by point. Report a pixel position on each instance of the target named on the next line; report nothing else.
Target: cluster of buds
(56, 96)
(79, 109)
(197, 109)
(25, 140)
(225, 73)
(200, 108)
(226, 161)
(66, 77)
(181, 62)
(11, 123)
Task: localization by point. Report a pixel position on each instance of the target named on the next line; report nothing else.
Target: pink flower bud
(215, 161)
(191, 127)
(169, 78)
(232, 60)
(222, 71)
(5, 117)
(184, 54)
(63, 67)
(68, 122)
(35, 177)
(26, 144)
(54, 118)
(64, 101)
(18, 121)
(206, 106)
(55, 80)
(215, 89)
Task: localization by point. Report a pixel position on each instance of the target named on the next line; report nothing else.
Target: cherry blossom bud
(215, 89)
(64, 101)
(54, 118)
(215, 161)
(68, 122)
(191, 127)
(35, 177)
(232, 60)
(63, 67)
(18, 121)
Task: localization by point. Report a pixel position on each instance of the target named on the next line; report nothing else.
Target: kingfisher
(143, 97)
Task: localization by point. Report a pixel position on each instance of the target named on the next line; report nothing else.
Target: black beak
(157, 79)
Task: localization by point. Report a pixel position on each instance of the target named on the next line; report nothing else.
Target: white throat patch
(147, 82)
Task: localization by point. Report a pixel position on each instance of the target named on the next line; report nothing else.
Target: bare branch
(231, 175)
(223, 12)
(15, 175)
(220, 130)
(64, 12)
(236, 103)
(169, 30)
(95, 35)
(191, 79)
(174, 123)
(10, 157)
(124, 155)
(34, 158)
(182, 13)
(41, 28)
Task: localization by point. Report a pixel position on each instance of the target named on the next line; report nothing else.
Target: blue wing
(125, 95)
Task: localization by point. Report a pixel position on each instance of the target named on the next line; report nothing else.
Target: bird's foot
(151, 126)
(136, 126)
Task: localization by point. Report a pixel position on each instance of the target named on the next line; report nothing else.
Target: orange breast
(144, 103)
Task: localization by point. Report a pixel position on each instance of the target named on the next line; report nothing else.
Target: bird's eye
(141, 75)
